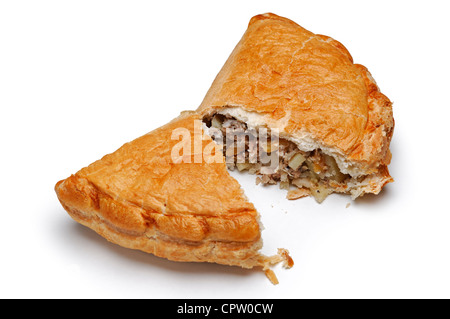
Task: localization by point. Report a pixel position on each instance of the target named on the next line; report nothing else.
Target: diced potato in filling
(296, 161)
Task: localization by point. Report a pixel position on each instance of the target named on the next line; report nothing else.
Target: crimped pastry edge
(245, 254)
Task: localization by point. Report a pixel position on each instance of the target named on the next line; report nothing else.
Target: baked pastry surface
(306, 87)
(139, 198)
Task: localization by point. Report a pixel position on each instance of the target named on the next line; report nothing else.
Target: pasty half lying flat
(139, 198)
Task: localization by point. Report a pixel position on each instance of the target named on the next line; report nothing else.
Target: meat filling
(276, 160)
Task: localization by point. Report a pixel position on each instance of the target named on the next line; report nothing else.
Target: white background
(80, 78)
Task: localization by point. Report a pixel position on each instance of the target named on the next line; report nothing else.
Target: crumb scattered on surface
(297, 193)
(271, 275)
(348, 205)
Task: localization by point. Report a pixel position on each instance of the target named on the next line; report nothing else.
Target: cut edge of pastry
(82, 202)
(308, 169)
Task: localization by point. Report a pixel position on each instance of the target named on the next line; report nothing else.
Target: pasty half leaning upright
(334, 124)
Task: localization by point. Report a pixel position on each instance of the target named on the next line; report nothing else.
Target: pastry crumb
(348, 205)
(297, 193)
(272, 277)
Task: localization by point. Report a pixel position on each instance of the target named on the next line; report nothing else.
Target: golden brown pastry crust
(139, 198)
(306, 85)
